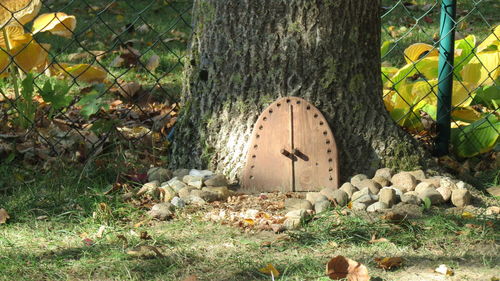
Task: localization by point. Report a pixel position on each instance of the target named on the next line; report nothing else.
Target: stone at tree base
(175, 184)
(195, 200)
(208, 196)
(298, 204)
(167, 193)
(162, 211)
(314, 197)
(411, 198)
(340, 197)
(445, 192)
(217, 180)
(328, 192)
(159, 174)
(377, 206)
(300, 213)
(387, 196)
(322, 205)
(357, 178)
(436, 181)
(494, 191)
(382, 181)
(222, 192)
(461, 197)
(184, 192)
(423, 186)
(493, 210)
(447, 182)
(430, 192)
(364, 196)
(418, 174)
(150, 188)
(294, 218)
(408, 210)
(462, 185)
(348, 188)
(385, 173)
(178, 202)
(358, 206)
(371, 184)
(404, 181)
(195, 181)
(399, 193)
(180, 173)
(205, 174)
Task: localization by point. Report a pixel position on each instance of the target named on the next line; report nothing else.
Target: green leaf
(488, 96)
(476, 138)
(386, 47)
(91, 104)
(57, 94)
(426, 68)
(28, 87)
(466, 47)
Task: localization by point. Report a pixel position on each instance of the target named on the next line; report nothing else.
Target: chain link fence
(415, 90)
(80, 76)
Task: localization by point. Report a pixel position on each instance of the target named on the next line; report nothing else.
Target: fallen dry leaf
(389, 263)
(341, 267)
(100, 232)
(443, 269)
(393, 217)
(270, 270)
(145, 236)
(153, 62)
(379, 240)
(145, 252)
(4, 216)
(191, 278)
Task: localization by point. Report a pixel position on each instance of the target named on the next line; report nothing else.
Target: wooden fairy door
(291, 149)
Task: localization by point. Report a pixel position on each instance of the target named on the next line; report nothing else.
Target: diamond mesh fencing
(80, 76)
(415, 83)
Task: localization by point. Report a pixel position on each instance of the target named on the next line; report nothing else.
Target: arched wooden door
(291, 149)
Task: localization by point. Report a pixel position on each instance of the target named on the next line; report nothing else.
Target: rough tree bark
(247, 53)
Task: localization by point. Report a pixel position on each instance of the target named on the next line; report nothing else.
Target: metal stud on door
(291, 149)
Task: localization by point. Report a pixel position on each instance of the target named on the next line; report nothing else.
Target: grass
(53, 213)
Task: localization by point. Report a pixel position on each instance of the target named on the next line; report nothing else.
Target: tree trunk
(245, 54)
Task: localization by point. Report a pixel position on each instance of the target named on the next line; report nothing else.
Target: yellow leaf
(56, 23)
(4, 61)
(482, 69)
(4, 216)
(466, 114)
(467, 215)
(461, 93)
(418, 51)
(30, 56)
(18, 11)
(16, 35)
(249, 221)
(270, 270)
(493, 39)
(81, 72)
(389, 263)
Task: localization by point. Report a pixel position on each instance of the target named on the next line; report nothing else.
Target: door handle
(299, 154)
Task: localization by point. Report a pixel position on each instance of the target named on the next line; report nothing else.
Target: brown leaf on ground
(270, 270)
(4, 216)
(389, 263)
(145, 235)
(191, 278)
(375, 240)
(393, 217)
(341, 267)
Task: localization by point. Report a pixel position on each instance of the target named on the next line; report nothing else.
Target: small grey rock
(300, 213)
(381, 180)
(208, 196)
(195, 200)
(370, 184)
(408, 210)
(166, 193)
(418, 174)
(348, 188)
(340, 197)
(357, 178)
(298, 204)
(430, 192)
(436, 181)
(460, 197)
(184, 192)
(292, 223)
(314, 197)
(159, 174)
(196, 181)
(377, 206)
(328, 193)
(217, 180)
(358, 206)
(321, 206)
(162, 211)
(447, 182)
(445, 192)
(180, 173)
(175, 184)
(358, 194)
(409, 198)
(385, 173)
(423, 186)
(404, 181)
(221, 191)
(494, 191)
(387, 196)
(366, 199)
(150, 188)
(178, 202)
(205, 174)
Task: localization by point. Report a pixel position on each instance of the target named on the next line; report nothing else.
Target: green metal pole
(445, 75)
